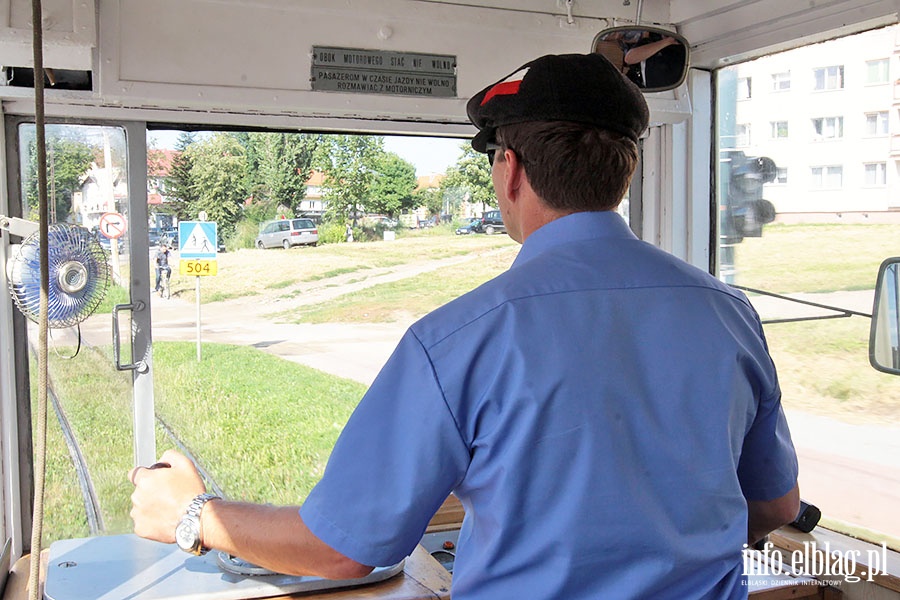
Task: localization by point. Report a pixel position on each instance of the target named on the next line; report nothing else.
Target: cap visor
(481, 139)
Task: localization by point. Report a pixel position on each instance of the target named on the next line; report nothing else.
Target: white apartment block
(829, 116)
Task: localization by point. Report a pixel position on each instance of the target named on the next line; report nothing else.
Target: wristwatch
(187, 534)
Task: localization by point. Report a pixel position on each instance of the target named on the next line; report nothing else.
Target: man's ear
(514, 176)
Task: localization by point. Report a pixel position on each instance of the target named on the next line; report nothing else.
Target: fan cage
(79, 276)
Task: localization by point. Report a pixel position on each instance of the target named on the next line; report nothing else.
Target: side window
(819, 235)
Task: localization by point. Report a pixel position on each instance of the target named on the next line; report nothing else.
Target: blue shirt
(602, 410)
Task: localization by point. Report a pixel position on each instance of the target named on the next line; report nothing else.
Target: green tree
(349, 165)
(217, 182)
(392, 190)
(282, 163)
(469, 180)
(179, 184)
(432, 199)
(68, 160)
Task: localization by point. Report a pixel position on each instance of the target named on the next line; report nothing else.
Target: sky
(429, 155)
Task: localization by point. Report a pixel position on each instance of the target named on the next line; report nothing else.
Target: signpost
(113, 226)
(197, 246)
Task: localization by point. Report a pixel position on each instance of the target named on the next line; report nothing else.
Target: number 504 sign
(197, 268)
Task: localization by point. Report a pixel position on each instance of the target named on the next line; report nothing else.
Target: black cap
(585, 88)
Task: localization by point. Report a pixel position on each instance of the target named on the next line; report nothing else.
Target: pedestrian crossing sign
(197, 239)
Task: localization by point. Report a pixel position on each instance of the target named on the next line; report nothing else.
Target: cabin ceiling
(143, 54)
(720, 31)
(723, 32)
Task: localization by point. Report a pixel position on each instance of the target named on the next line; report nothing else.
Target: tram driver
(608, 415)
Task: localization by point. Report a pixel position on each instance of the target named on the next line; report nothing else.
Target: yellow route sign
(198, 268)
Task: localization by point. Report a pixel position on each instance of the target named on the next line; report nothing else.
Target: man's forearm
(273, 537)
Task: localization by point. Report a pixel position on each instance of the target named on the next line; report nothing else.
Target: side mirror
(654, 59)
(884, 337)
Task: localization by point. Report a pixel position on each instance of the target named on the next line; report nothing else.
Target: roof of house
(159, 162)
(429, 181)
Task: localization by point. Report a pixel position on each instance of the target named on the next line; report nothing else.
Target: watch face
(187, 534)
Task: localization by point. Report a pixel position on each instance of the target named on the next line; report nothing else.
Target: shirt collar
(574, 228)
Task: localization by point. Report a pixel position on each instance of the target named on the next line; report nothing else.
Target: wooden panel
(889, 577)
(449, 516)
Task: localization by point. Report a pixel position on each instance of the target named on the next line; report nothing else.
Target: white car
(285, 233)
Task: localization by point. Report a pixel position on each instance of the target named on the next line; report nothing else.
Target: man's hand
(161, 495)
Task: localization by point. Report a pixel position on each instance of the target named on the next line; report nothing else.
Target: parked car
(286, 233)
(473, 226)
(492, 222)
(106, 244)
(169, 235)
(379, 220)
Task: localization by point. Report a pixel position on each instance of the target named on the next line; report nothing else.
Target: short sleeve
(768, 465)
(393, 465)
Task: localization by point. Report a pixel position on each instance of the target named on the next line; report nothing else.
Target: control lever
(807, 518)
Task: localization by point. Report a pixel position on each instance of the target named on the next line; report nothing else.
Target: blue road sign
(197, 239)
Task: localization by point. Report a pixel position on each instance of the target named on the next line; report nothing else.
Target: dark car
(492, 222)
(472, 226)
(106, 244)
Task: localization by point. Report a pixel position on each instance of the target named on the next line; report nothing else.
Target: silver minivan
(286, 233)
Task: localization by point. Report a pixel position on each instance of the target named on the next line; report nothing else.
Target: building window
(876, 174)
(827, 178)
(877, 71)
(828, 128)
(744, 88)
(781, 176)
(877, 124)
(828, 78)
(781, 82)
(742, 137)
(779, 129)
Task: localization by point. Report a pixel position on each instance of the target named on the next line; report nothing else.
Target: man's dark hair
(573, 167)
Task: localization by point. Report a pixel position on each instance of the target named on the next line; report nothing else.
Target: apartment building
(829, 116)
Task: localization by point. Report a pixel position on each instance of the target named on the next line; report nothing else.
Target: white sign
(113, 225)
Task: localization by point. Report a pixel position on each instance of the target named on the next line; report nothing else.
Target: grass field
(823, 365)
(816, 257)
(227, 414)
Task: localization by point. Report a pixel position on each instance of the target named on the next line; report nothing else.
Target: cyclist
(162, 264)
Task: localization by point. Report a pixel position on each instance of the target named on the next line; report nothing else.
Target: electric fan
(79, 275)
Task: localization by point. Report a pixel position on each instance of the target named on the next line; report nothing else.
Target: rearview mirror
(654, 59)
(884, 337)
